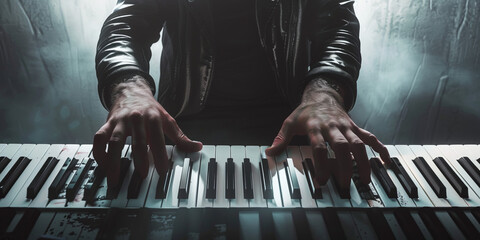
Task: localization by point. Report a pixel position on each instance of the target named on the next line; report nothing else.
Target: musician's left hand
(321, 115)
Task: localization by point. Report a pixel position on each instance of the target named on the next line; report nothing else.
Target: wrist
(321, 90)
(133, 85)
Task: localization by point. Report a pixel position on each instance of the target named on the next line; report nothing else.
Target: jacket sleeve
(124, 45)
(333, 31)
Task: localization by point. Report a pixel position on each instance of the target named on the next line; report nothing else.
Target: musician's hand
(322, 117)
(136, 113)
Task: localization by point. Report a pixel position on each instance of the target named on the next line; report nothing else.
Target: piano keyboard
(427, 192)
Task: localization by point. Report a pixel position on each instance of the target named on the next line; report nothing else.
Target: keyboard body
(237, 192)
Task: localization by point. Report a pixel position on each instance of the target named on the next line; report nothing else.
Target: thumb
(186, 145)
(280, 142)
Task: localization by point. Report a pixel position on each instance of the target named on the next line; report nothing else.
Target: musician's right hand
(136, 113)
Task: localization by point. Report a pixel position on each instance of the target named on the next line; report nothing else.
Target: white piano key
(21, 198)
(81, 154)
(78, 201)
(10, 152)
(452, 153)
(208, 151)
(221, 155)
(151, 201)
(122, 200)
(471, 151)
(238, 154)
(402, 197)
(452, 197)
(282, 177)
(31, 151)
(326, 200)
(139, 202)
(436, 151)
(307, 201)
(253, 153)
(384, 200)
(277, 194)
(337, 200)
(417, 177)
(171, 200)
(196, 160)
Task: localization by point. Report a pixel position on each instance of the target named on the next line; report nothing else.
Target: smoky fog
(419, 82)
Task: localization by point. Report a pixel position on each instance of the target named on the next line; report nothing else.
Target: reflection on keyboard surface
(239, 192)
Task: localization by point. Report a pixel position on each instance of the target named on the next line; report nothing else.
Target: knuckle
(135, 115)
(287, 123)
(339, 144)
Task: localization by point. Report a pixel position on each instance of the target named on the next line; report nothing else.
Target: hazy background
(419, 83)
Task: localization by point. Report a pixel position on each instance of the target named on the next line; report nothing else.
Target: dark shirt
(242, 74)
(243, 105)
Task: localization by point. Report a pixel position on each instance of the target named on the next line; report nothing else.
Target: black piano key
(247, 179)
(431, 178)
(344, 193)
(471, 169)
(12, 175)
(381, 173)
(59, 182)
(41, 177)
(335, 229)
(134, 186)
(91, 187)
(212, 179)
(404, 178)
(292, 180)
(313, 185)
(163, 182)
(266, 179)
(464, 224)
(380, 224)
(78, 179)
(4, 161)
(452, 177)
(407, 223)
(230, 179)
(434, 225)
(185, 179)
(112, 191)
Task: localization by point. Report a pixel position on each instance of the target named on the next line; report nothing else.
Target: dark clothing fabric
(303, 40)
(242, 75)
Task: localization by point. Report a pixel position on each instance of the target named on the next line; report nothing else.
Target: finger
(357, 147)
(282, 139)
(115, 147)
(157, 144)
(139, 144)
(370, 139)
(319, 149)
(343, 165)
(100, 141)
(171, 129)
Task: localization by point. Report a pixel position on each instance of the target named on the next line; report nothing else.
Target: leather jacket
(303, 39)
